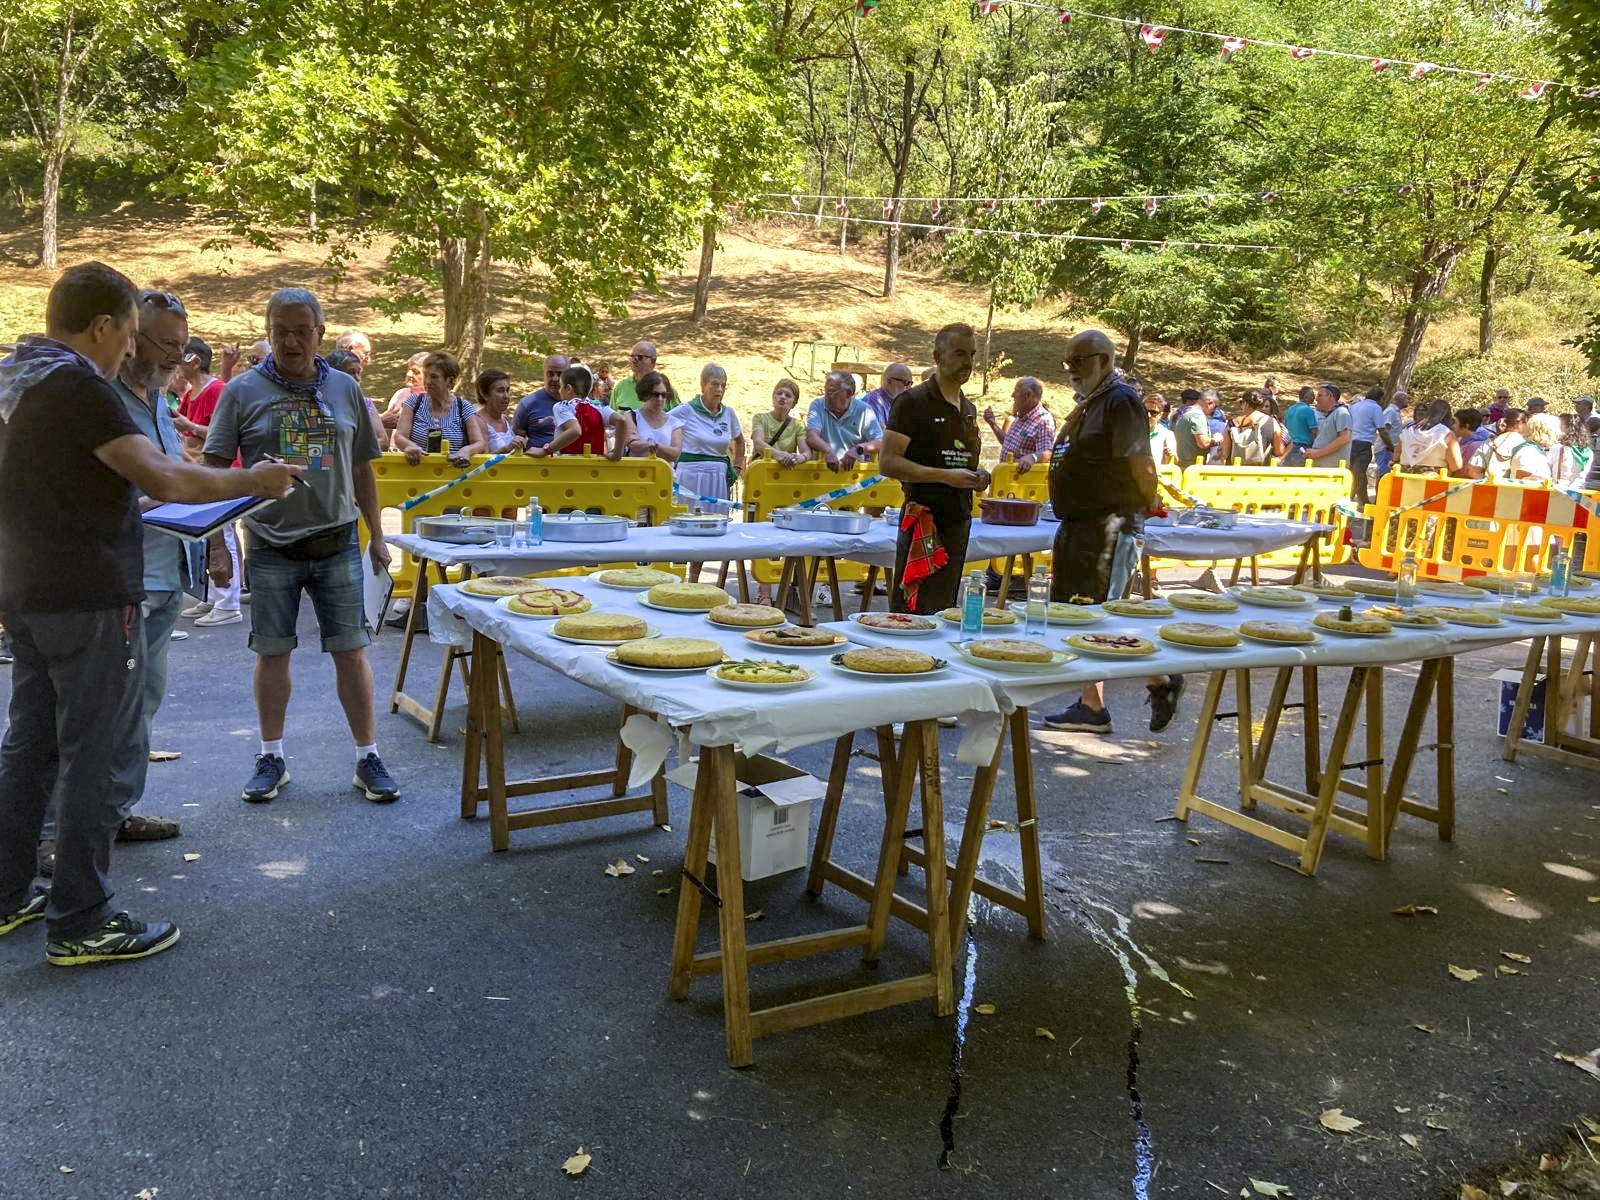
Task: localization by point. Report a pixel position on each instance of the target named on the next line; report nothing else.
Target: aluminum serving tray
(698, 525)
(821, 520)
(460, 531)
(584, 527)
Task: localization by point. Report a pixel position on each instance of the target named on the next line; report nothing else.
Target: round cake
(500, 585)
(1138, 608)
(697, 597)
(1202, 602)
(900, 622)
(991, 616)
(748, 615)
(1575, 606)
(796, 635)
(636, 577)
(1459, 616)
(1198, 633)
(1072, 614)
(1277, 631)
(883, 660)
(1576, 582)
(1523, 611)
(1326, 591)
(1383, 589)
(670, 652)
(1010, 650)
(1346, 622)
(1448, 587)
(762, 670)
(1275, 597)
(1403, 616)
(601, 627)
(549, 602)
(1118, 645)
(1493, 583)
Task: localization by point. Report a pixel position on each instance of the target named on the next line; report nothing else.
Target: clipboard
(197, 522)
(376, 588)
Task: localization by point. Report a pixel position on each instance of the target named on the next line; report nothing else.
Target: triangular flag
(938, 207)
(1232, 46)
(864, 7)
(1418, 70)
(1534, 91)
(888, 209)
(841, 206)
(1269, 197)
(794, 201)
(989, 6)
(1380, 65)
(1301, 53)
(1066, 17)
(1150, 204)
(1405, 189)
(1485, 78)
(1126, 246)
(1590, 93)
(991, 205)
(1038, 201)
(1096, 205)
(1152, 36)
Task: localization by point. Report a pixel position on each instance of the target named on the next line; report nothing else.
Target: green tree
(576, 145)
(1574, 188)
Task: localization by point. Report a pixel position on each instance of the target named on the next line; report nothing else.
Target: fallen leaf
(1401, 1108)
(1588, 1063)
(1334, 1120)
(619, 868)
(666, 891)
(1263, 1188)
(641, 858)
(1502, 969)
(1594, 1126)
(1157, 746)
(1465, 974)
(191, 857)
(1413, 1141)
(1432, 1123)
(666, 829)
(758, 915)
(578, 1163)
(658, 871)
(1509, 1187)
(1415, 910)
(1426, 1028)
(165, 755)
(1594, 899)
(66, 1170)
(1549, 1163)
(1042, 1032)
(146, 1194)
(983, 1010)
(1193, 841)
(1216, 862)
(1514, 957)
(1469, 1192)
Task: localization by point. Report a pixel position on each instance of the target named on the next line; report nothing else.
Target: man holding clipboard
(71, 584)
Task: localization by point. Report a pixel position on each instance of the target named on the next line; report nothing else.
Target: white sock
(363, 751)
(272, 747)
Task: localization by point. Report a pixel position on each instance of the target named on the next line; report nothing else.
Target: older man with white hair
(841, 427)
(641, 361)
(1027, 437)
(294, 408)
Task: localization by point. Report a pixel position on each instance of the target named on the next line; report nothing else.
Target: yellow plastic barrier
(1296, 493)
(1481, 529)
(767, 486)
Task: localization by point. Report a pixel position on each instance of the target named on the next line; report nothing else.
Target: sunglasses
(164, 300)
(657, 395)
(642, 357)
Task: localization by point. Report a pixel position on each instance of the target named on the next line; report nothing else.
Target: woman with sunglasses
(494, 396)
(654, 430)
(1163, 445)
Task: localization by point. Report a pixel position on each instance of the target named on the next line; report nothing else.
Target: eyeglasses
(163, 300)
(657, 395)
(170, 346)
(641, 358)
(1154, 412)
(1079, 359)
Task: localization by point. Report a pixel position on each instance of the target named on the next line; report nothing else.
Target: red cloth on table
(925, 554)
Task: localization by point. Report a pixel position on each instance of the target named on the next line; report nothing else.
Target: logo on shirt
(306, 438)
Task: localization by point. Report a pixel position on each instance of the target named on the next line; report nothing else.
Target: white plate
(996, 626)
(1057, 659)
(650, 631)
(624, 587)
(748, 686)
(1266, 641)
(1020, 607)
(1123, 654)
(1304, 600)
(833, 646)
(504, 605)
(1432, 588)
(612, 659)
(687, 612)
(899, 632)
(1168, 642)
(734, 625)
(1357, 633)
(939, 665)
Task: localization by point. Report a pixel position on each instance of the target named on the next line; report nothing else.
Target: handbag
(323, 544)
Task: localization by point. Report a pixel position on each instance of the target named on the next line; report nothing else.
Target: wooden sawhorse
(1573, 749)
(454, 657)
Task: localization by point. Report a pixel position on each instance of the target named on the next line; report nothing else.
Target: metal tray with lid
(698, 525)
(459, 530)
(821, 519)
(584, 527)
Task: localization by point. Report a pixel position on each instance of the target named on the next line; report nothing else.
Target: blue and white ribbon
(408, 505)
(723, 502)
(870, 481)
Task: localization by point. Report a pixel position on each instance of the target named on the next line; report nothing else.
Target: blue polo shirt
(1365, 417)
(1301, 422)
(169, 564)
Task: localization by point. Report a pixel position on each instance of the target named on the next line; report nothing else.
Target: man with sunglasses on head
(641, 361)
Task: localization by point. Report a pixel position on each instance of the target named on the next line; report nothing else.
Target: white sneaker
(196, 610)
(244, 597)
(220, 616)
(180, 635)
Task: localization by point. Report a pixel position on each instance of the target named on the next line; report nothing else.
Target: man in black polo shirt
(1102, 483)
(931, 446)
(71, 583)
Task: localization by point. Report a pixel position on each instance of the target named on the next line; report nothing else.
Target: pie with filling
(1382, 589)
(1404, 616)
(1202, 602)
(1457, 615)
(1573, 606)
(1073, 613)
(670, 652)
(1010, 650)
(1345, 621)
(900, 622)
(1278, 597)
(1117, 645)
(763, 670)
(1198, 633)
(747, 615)
(549, 602)
(1448, 587)
(1277, 631)
(500, 585)
(1326, 591)
(796, 635)
(697, 597)
(601, 627)
(1524, 611)
(636, 577)
(1138, 608)
(885, 660)
(991, 616)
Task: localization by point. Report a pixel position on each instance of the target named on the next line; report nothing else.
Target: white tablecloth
(1014, 690)
(835, 703)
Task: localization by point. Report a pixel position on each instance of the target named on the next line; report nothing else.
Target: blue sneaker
(374, 781)
(1080, 718)
(119, 940)
(271, 774)
(31, 911)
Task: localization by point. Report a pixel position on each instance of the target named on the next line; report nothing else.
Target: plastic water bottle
(973, 602)
(1405, 588)
(1037, 616)
(535, 522)
(1560, 569)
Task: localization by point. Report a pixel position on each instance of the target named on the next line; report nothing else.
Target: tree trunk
(902, 168)
(708, 252)
(891, 260)
(453, 289)
(54, 160)
(1427, 287)
(1491, 263)
(477, 266)
(822, 184)
(1130, 352)
(311, 218)
(988, 334)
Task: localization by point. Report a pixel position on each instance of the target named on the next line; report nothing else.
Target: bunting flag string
(1528, 88)
(1126, 244)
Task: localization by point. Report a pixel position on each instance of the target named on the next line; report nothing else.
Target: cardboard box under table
(717, 719)
(1574, 679)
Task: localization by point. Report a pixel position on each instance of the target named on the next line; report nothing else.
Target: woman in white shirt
(713, 443)
(1530, 462)
(654, 430)
(1163, 445)
(1429, 444)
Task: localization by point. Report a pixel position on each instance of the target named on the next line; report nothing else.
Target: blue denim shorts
(334, 584)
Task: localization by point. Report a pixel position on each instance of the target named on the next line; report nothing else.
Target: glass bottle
(1038, 607)
(1405, 588)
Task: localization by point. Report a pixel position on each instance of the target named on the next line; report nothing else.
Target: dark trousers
(940, 589)
(1360, 460)
(1083, 557)
(76, 696)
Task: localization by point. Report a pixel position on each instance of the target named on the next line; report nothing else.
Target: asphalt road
(367, 1002)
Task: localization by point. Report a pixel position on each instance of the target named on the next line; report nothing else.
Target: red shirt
(201, 405)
